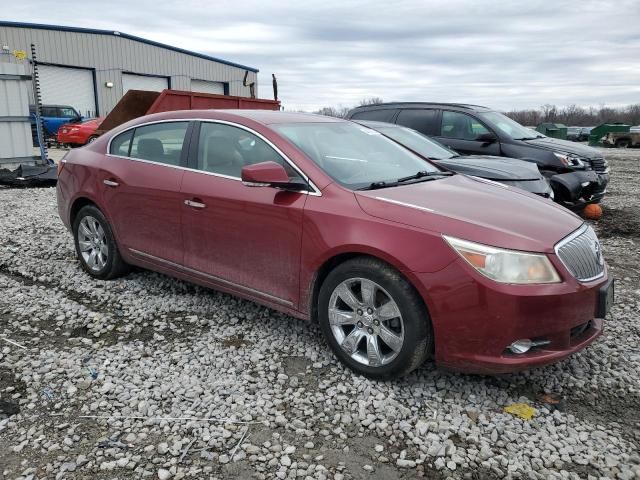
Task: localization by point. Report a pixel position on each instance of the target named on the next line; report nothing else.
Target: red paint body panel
(78, 133)
(268, 245)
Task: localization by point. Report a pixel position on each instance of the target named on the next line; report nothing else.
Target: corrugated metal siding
(15, 132)
(110, 55)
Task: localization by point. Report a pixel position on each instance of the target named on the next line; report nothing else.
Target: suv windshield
(353, 155)
(416, 141)
(509, 127)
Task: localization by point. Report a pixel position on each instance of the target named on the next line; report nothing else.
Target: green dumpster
(596, 134)
(553, 130)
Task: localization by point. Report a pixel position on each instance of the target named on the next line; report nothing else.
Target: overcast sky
(504, 54)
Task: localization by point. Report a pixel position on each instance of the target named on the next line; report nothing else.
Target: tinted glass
(461, 126)
(49, 112)
(508, 127)
(417, 142)
(377, 115)
(224, 149)
(353, 155)
(67, 112)
(160, 142)
(120, 144)
(420, 120)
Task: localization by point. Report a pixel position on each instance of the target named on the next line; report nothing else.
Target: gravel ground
(151, 377)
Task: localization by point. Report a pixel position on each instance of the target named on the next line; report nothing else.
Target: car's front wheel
(373, 319)
(96, 246)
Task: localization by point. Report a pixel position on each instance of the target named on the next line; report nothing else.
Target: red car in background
(332, 222)
(77, 134)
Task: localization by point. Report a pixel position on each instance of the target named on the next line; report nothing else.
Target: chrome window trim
(316, 191)
(583, 228)
(212, 277)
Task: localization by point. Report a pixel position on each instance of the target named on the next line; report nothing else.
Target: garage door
(142, 82)
(204, 86)
(68, 86)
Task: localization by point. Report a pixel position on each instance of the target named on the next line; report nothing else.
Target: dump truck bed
(136, 103)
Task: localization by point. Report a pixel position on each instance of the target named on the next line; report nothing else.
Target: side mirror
(486, 138)
(269, 174)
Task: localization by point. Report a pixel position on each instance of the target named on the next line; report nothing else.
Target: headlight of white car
(505, 266)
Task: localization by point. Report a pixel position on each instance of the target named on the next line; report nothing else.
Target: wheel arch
(339, 258)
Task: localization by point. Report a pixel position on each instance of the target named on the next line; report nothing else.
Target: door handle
(110, 183)
(194, 203)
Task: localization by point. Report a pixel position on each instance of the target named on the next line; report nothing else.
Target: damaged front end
(577, 189)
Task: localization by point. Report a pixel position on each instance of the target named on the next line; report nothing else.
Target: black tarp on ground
(29, 176)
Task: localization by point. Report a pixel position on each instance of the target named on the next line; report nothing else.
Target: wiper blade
(424, 173)
(377, 185)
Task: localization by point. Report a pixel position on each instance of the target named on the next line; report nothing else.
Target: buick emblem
(595, 247)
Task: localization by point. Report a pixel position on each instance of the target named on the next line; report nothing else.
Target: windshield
(509, 127)
(416, 141)
(353, 155)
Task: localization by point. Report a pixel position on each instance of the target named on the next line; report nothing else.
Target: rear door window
(422, 120)
(461, 126)
(385, 115)
(120, 144)
(159, 142)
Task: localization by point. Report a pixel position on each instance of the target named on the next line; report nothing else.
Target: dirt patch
(619, 223)
(237, 341)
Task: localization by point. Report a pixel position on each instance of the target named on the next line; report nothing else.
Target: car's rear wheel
(96, 247)
(92, 139)
(373, 319)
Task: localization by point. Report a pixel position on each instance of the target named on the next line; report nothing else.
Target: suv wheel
(96, 246)
(373, 319)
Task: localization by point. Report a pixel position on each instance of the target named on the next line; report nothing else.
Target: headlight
(569, 160)
(505, 266)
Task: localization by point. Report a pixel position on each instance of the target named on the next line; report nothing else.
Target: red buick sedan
(331, 222)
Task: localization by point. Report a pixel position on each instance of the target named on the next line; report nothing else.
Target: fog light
(521, 346)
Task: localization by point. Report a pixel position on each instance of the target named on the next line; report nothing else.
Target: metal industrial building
(92, 69)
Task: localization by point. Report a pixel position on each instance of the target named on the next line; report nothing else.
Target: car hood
(476, 210)
(564, 146)
(493, 168)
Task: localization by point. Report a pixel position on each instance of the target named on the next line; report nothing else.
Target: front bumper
(577, 189)
(475, 319)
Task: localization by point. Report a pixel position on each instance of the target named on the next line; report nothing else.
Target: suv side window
(159, 142)
(120, 144)
(224, 149)
(461, 126)
(384, 115)
(419, 119)
(49, 112)
(65, 112)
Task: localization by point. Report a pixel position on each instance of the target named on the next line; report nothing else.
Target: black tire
(91, 139)
(114, 266)
(418, 337)
(622, 143)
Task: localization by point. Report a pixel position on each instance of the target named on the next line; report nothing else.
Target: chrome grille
(600, 165)
(580, 252)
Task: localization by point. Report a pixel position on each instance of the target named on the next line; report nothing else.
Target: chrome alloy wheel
(366, 322)
(93, 243)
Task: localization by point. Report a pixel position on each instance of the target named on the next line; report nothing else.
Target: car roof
(265, 117)
(387, 105)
